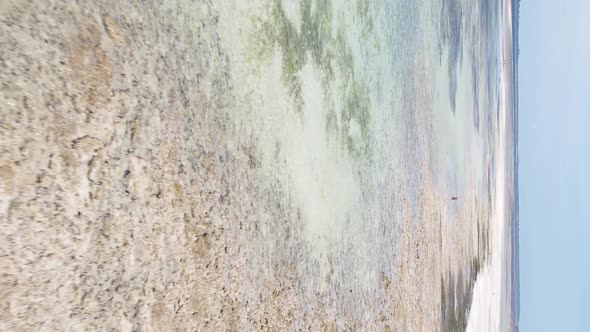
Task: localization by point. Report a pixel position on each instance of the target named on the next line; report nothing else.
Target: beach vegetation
(321, 40)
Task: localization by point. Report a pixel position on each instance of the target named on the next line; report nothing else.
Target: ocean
(384, 121)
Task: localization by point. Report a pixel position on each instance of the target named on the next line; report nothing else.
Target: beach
(256, 165)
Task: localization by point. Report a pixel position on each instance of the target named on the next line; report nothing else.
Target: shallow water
(381, 99)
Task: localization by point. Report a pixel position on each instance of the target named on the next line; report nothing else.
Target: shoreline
(496, 310)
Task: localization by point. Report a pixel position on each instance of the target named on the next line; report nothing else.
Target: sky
(554, 151)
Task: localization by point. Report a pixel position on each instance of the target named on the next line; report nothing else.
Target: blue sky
(555, 165)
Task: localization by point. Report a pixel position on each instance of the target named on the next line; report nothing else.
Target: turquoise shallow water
(388, 102)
